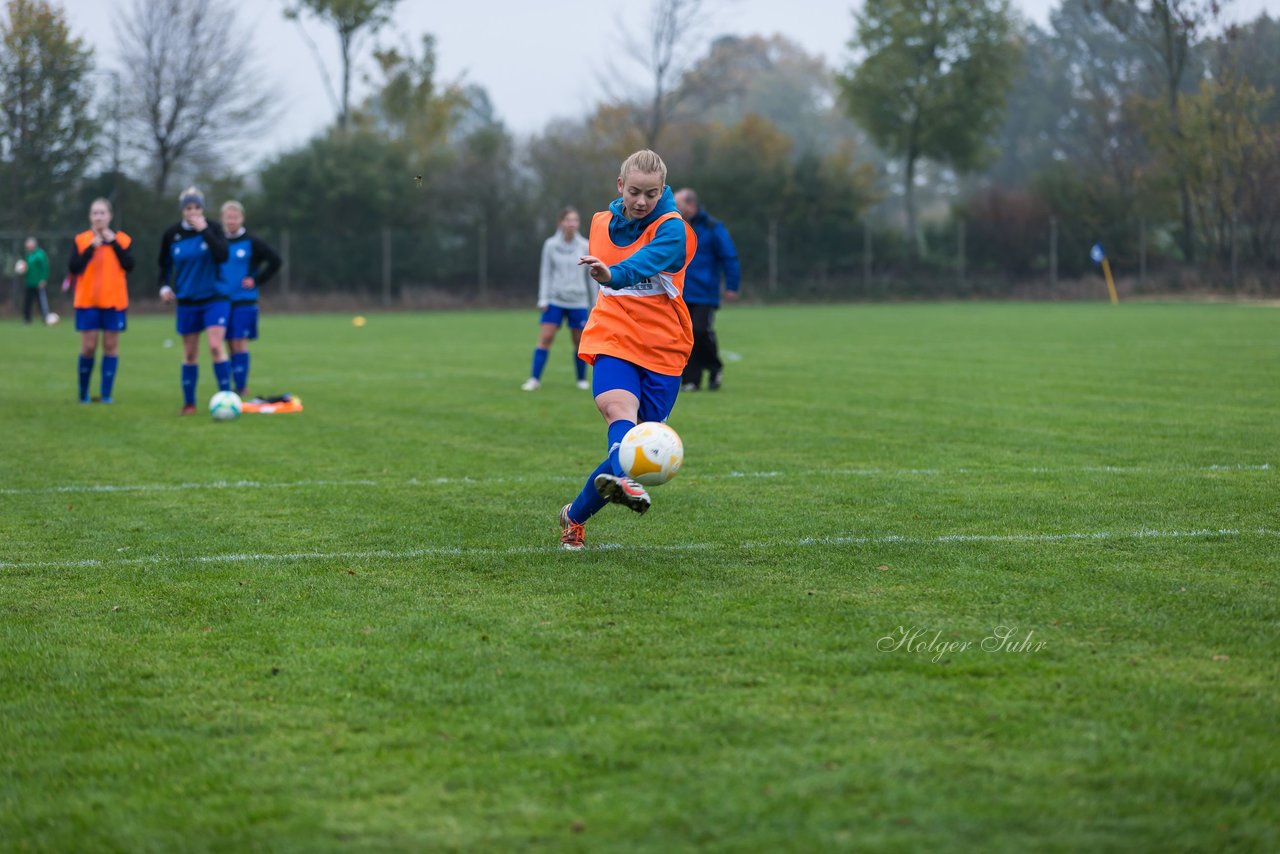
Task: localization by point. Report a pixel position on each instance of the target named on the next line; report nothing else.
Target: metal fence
(471, 264)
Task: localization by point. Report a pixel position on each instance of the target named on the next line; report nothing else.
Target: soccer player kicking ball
(639, 335)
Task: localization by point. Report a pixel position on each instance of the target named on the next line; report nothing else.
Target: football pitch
(933, 577)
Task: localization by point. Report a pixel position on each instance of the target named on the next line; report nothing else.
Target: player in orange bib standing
(100, 262)
(639, 334)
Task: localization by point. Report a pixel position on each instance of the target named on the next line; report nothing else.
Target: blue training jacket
(664, 252)
(716, 254)
(246, 256)
(191, 260)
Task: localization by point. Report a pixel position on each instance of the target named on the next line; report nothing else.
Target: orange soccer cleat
(573, 535)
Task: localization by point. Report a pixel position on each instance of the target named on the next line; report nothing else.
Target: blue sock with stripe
(190, 375)
(86, 371)
(539, 362)
(589, 502)
(240, 370)
(222, 372)
(109, 364)
(617, 430)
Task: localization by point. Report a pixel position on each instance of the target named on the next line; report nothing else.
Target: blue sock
(109, 364)
(190, 373)
(222, 372)
(617, 430)
(240, 370)
(86, 371)
(539, 362)
(589, 502)
(579, 367)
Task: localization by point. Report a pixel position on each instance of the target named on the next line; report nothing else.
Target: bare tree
(350, 19)
(1168, 30)
(665, 49)
(191, 85)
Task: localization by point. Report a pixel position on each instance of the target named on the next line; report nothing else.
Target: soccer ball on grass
(52, 319)
(225, 406)
(651, 453)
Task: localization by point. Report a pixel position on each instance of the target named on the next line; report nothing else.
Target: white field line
(184, 487)
(439, 481)
(510, 551)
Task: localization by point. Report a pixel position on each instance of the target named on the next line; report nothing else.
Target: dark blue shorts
(106, 319)
(656, 392)
(244, 321)
(198, 318)
(577, 317)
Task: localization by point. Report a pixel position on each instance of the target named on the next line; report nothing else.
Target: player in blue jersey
(250, 264)
(190, 252)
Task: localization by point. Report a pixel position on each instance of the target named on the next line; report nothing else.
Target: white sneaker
(584, 385)
(531, 385)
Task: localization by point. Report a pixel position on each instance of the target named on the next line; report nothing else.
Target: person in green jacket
(36, 276)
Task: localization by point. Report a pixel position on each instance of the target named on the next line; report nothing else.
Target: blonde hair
(645, 161)
(105, 201)
(234, 205)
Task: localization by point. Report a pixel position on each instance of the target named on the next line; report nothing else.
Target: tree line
(953, 138)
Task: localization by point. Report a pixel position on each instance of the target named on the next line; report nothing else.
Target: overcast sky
(538, 60)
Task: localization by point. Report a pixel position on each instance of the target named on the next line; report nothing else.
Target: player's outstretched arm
(598, 270)
(665, 252)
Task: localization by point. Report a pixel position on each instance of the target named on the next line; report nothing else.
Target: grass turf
(350, 628)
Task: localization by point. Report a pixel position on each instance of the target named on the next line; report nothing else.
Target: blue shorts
(656, 392)
(198, 318)
(106, 319)
(577, 317)
(244, 321)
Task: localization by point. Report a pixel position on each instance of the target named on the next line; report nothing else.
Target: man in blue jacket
(716, 256)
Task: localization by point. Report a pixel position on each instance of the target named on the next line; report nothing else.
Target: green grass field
(352, 629)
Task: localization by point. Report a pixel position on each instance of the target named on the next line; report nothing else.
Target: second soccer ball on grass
(225, 406)
(651, 453)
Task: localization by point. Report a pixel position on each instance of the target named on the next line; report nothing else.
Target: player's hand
(166, 293)
(731, 296)
(599, 269)
(107, 235)
(198, 222)
(97, 239)
(248, 283)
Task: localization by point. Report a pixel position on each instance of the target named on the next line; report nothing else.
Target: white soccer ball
(52, 319)
(20, 267)
(225, 406)
(651, 453)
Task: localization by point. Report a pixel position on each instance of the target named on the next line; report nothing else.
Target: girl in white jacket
(566, 293)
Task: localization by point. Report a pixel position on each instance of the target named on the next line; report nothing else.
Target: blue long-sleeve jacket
(247, 256)
(665, 252)
(191, 258)
(716, 254)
